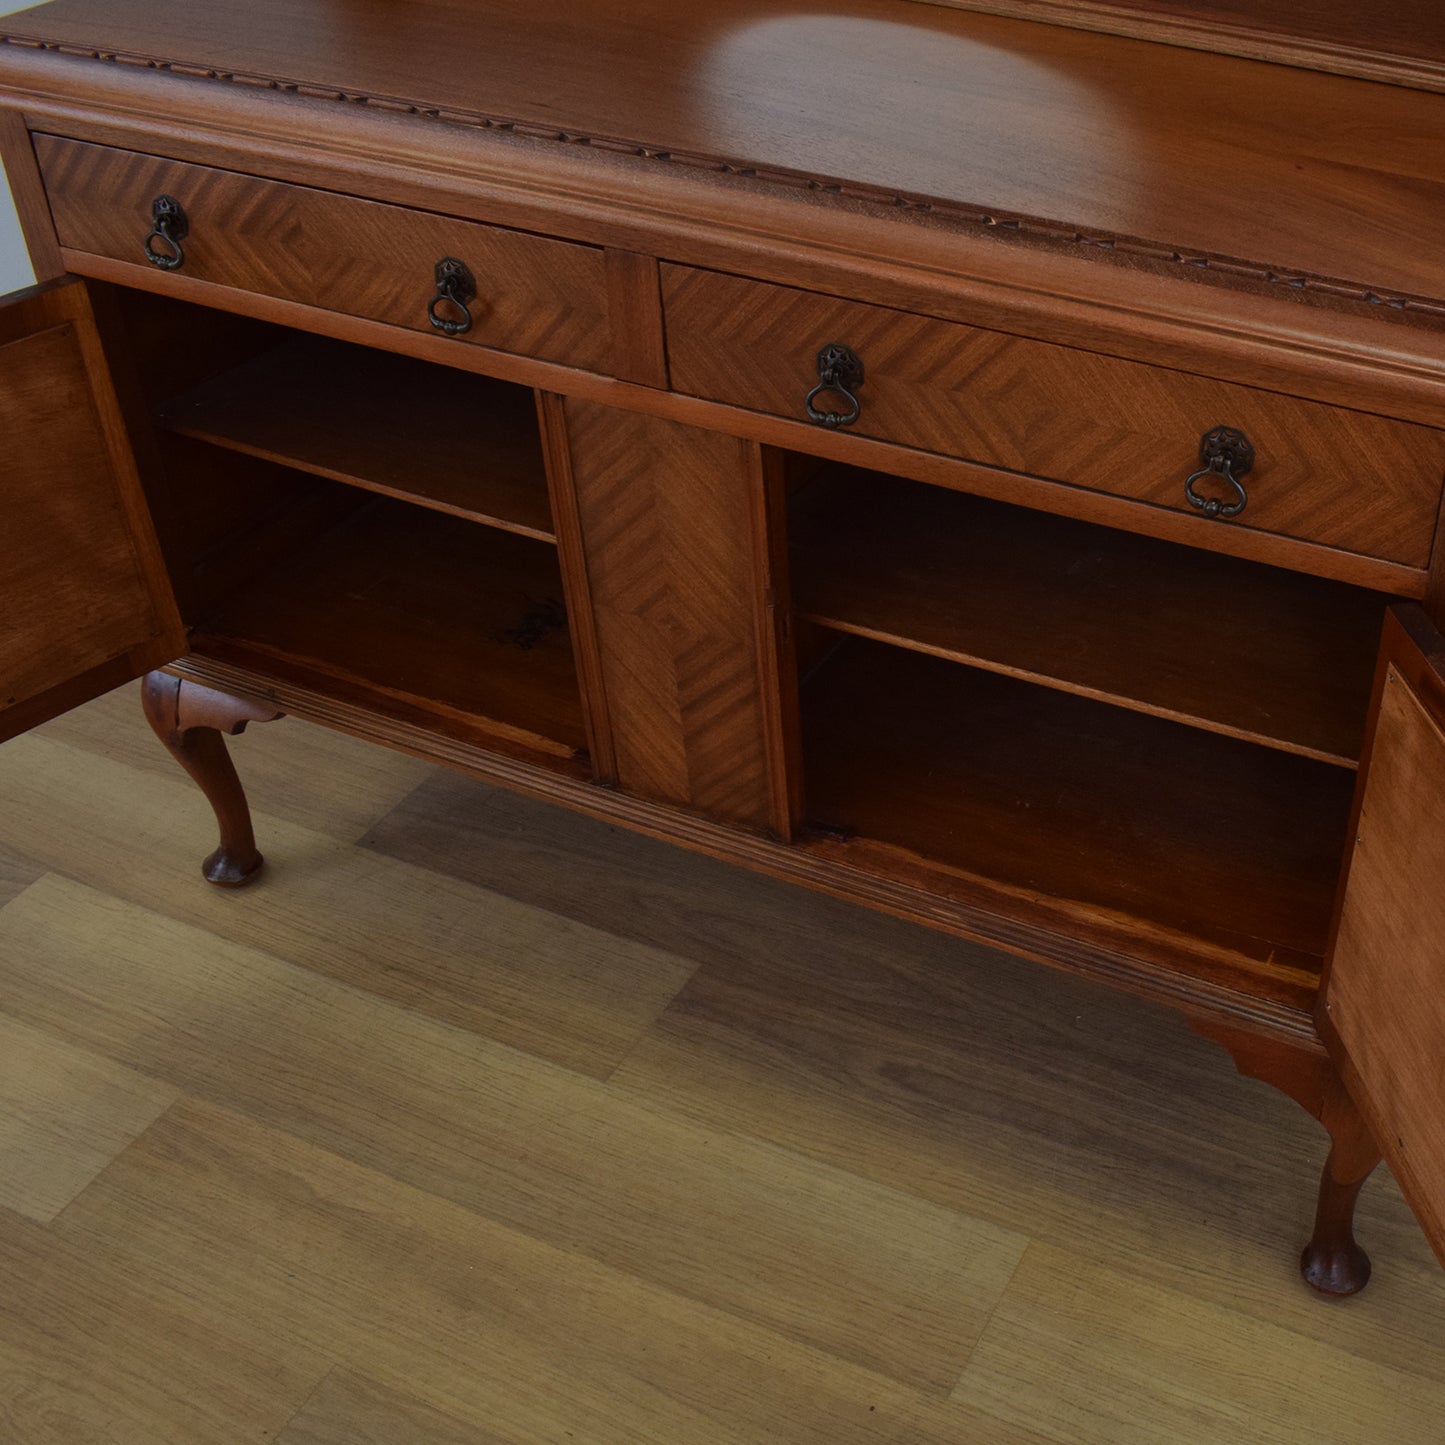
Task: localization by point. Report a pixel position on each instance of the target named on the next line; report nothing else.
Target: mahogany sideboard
(985, 469)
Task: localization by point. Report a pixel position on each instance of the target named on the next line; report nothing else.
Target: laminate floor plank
(1087, 1356)
(1095, 1124)
(446, 949)
(1070, 1113)
(17, 873)
(853, 1267)
(94, 1352)
(349, 1409)
(65, 1114)
(471, 1317)
(646, 891)
(325, 781)
(641, 1147)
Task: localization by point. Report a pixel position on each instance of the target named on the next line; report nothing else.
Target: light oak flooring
(479, 1124)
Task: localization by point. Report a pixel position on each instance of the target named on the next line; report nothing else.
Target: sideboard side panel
(666, 517)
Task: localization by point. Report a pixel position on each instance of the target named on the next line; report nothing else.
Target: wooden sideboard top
(1399, 41)
(1073, 133)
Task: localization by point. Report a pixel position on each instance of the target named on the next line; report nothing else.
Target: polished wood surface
(84, 586)
(440, 438)
(800, 434)
(1398, 41)
(783, 432)
(534, 295)
(1433, 598)
(959, 108)
(955, 1135)
(1242, 323)
(634, 311)
(665, 517)
(576, 587)
(357, 611)
(1073, 416)
(1240, 649)
(1382, 1009)
(1084, 811)
(27, 192)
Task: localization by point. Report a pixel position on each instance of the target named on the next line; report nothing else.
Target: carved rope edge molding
(771, 175)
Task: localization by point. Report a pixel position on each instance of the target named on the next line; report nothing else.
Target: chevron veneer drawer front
(1345, 479)
(535, 296)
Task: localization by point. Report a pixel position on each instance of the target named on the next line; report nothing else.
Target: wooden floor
(479, 1124)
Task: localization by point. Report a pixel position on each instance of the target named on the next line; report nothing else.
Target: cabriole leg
(190, 720)
(1332, 1262)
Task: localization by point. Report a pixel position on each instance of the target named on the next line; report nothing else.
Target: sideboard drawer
(1345, 479)
(535, 296)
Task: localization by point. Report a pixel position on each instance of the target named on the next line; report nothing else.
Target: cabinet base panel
(1194, 996)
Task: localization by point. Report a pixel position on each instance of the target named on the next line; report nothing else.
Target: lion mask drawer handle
(169, 227)
(1227, 456)
(840, 370)
(450, 309)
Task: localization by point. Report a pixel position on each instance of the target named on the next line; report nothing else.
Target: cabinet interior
(1052, 717)
(363, 524)
(1056, 721)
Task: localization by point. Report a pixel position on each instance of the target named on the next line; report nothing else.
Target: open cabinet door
(1383, 1013)
(85, 603)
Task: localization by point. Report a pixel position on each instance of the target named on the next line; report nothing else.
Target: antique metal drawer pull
(169, 227)
(450, 309)
(1227, 455)
(840, 370)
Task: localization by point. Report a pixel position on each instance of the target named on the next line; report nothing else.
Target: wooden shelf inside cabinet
(421, 616)
(1230, 646)
(1047, 805)
(444, 439)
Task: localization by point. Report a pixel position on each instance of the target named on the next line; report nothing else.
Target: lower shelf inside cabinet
(417, 614)
(985, 788)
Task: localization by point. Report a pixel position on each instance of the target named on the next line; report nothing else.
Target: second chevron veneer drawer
(525, 294)
(1327, 475)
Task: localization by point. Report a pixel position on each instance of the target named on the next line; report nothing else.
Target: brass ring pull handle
(840, 370)
(1227, 455)
(456, 290)
(168, 227)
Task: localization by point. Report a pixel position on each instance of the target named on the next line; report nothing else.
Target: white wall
(15, 269)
